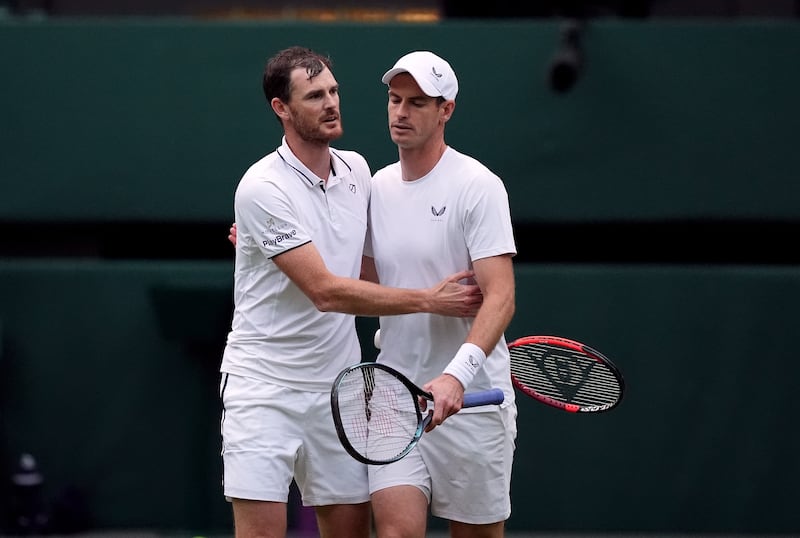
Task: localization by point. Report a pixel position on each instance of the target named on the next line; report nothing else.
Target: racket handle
(484, 397)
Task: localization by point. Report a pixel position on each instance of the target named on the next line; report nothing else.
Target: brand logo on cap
(435, 74)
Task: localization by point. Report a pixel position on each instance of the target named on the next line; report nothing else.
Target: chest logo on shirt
(353, 188)
(438, 212)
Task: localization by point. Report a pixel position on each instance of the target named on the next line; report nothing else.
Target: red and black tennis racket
(565, 374)
(377, 412)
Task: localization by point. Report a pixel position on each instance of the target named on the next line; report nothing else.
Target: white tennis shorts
(463, 467)
(272, 434)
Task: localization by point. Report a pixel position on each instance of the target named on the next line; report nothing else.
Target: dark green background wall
(146, 120)
(108, 367)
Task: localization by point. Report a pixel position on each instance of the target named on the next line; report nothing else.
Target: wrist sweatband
(466, 363)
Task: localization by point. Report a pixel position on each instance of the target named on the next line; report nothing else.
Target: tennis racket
(565, 374)
(377, 412)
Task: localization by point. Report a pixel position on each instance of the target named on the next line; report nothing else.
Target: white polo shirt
(420, 232)
(277, 333)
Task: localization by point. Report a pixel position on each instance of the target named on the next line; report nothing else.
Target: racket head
(377, 413)
(565, 374)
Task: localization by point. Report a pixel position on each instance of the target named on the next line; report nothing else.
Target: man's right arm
(332, 293)
(305, 267)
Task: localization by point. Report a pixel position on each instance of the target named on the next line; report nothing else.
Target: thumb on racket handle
(484, 397)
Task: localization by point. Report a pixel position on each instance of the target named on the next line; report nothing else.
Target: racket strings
(378, 413)
(564, 375)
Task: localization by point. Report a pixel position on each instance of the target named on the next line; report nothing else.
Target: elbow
(326, 300)
(510, 306)
(328, 294)
(511, 310)
(324, 303)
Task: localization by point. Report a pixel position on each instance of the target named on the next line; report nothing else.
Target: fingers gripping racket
(377, 412)
(565, 374)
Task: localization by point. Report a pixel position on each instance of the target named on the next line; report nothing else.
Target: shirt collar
(339, 167)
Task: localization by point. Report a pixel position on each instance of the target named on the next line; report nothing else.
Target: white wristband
(466, 363)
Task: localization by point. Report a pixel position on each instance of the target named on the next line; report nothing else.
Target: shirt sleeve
(488, 229)
(268, 220)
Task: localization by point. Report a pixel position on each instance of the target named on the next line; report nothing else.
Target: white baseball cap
(433, 74)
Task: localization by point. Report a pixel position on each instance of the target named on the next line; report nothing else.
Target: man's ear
(447, 110)
(279, 107)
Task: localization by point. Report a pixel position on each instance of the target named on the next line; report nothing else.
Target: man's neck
(418, 162)
(315, 155)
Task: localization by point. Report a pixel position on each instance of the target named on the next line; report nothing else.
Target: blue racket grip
(484, 397)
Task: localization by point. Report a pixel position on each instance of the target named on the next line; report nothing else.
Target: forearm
(496, 277)
(491, 322)
(364, 298)
(447, 298)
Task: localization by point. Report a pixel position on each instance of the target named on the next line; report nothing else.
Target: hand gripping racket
(565, 374)
(377, 412)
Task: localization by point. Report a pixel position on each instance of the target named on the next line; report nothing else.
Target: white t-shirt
(277, 333)
(424, 230)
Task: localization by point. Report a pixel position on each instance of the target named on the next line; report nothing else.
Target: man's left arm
(495, 277)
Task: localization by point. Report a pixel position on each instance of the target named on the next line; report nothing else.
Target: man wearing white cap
(454, 213)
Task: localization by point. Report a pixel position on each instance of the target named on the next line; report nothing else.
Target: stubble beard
(313, 131)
